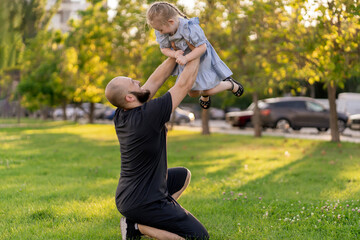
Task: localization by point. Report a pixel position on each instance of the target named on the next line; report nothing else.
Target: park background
(58, 178)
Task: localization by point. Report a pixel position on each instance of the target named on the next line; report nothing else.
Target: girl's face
(168, 28)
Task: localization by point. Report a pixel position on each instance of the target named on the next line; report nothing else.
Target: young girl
(183, 39)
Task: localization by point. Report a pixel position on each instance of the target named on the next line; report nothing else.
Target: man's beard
(142, 96)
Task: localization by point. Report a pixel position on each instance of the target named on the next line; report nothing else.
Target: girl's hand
(182, 60)
(179, 53)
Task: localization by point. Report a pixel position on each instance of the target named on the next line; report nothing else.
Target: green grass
(58, 181)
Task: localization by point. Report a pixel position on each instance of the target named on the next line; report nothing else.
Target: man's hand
(182, 60)
(179, 53)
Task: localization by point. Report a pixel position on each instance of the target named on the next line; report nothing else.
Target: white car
(354, 122)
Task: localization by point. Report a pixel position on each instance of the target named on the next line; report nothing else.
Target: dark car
(296, 113)
(288, 112)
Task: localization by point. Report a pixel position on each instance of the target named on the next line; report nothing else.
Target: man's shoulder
(160, 100)
(159, 105)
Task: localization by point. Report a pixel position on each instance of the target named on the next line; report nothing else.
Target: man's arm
(184, 83)
(159, 76)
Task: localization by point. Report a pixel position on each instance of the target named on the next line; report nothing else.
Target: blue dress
(212, 70)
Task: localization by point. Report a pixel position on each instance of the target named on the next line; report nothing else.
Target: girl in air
(183, 39)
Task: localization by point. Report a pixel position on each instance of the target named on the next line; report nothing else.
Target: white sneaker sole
(123, 227)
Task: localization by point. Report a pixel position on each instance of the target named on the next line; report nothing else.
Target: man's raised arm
(185, 82)
(159, 76)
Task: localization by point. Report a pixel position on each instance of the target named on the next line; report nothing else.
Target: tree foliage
(269, 46)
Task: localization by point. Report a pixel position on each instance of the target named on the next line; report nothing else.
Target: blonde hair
(162, 12)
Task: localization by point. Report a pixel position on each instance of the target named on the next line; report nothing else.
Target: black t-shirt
(142, 136)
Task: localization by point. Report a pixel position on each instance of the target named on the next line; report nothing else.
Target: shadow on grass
(316, 175)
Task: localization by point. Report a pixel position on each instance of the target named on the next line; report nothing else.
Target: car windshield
(261, 105)
(315, 107)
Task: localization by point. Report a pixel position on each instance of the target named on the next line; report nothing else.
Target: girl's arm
(195, 53)
(171, 53)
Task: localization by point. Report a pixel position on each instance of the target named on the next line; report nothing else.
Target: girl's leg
(227, 84)
(222, 86)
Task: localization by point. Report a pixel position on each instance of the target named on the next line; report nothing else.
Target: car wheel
(322, 129)
(283, 124)
(296, 128)
(341, 125)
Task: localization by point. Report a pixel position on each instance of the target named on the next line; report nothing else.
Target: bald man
(147, 190)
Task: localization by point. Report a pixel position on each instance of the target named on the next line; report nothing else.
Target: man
(147, 191)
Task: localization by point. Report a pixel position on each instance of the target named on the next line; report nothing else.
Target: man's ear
(171, 21)
(129, 97)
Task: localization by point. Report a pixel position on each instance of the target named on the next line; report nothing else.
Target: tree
(91, 38)
(257, 32)
(22, 21)
(330, 51)
(41, 87)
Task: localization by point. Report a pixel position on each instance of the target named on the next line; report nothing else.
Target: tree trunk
(331, 89)
(15, 76)
(91, 112)
(44, 113)
(205, 122)
(256, 121)
(312, 90)
(18, 110)
(63, 106)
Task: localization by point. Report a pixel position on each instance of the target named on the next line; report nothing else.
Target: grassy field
(58, 181)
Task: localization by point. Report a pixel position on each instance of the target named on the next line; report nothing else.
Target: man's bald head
(116, 91)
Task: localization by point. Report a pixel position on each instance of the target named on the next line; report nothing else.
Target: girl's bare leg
(222, 86)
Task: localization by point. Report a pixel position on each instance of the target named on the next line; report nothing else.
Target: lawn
(58, 181)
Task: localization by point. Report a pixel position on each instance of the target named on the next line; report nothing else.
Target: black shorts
(167, 214)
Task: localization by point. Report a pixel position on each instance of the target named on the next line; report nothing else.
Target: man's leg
(169, 215)
(158, 233)
(178, 180)
(130, 230)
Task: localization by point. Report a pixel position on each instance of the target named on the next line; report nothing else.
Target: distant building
(68, 10)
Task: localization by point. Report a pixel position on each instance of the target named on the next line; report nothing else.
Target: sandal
(205, 104)
(240, 90)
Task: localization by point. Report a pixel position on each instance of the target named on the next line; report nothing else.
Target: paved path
(220, 126)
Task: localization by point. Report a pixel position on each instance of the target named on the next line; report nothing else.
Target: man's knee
(201, 234)
(188, 175)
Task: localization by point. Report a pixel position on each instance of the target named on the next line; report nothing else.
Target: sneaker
(128, 230)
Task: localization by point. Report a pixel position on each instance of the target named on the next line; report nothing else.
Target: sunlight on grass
(91, 132)
(92, 208)
(59, 181)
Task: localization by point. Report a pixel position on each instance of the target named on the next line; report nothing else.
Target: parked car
(217, 113)
(348, 103)
(242, 119)
(72, 111)
(354, 122)
(289, 112)
(180, 116)
(298, 112)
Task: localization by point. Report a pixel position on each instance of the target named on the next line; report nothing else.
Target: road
(220, 126)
